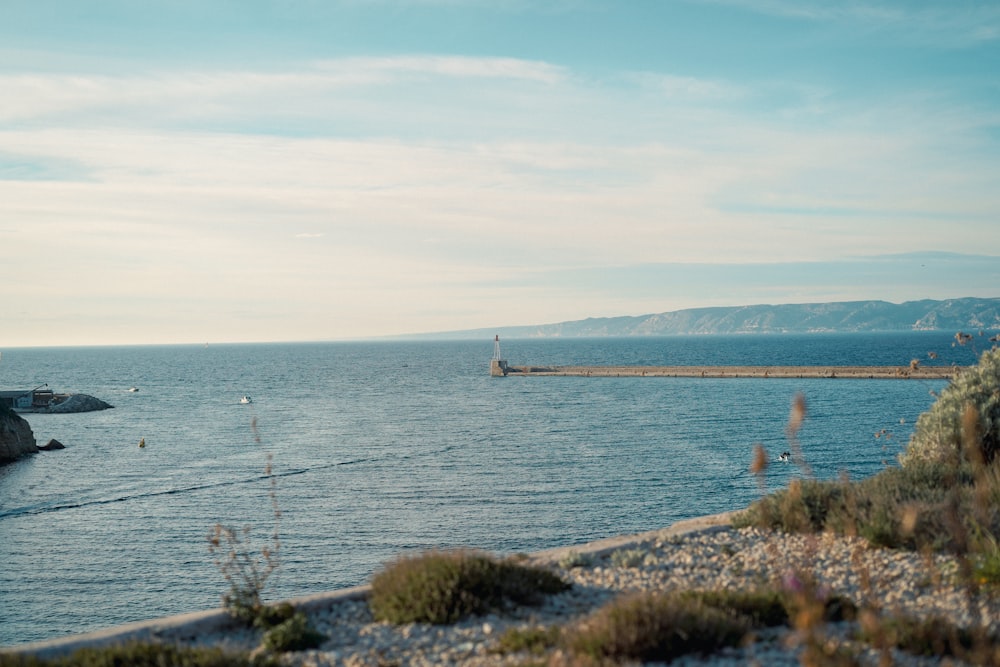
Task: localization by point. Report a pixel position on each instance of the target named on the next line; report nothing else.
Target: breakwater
(499, 368)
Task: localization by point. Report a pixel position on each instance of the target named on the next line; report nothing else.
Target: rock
(52, 445)
(79, 403)
(16, 437)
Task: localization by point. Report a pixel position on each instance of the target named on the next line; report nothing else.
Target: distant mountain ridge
(964, 314)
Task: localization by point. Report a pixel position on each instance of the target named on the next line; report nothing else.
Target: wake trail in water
(45, 509)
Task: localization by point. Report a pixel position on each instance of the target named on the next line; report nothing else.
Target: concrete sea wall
(503, 369)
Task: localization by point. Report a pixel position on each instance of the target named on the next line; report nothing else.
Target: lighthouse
(498, 367)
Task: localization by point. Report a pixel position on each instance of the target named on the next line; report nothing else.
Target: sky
(194, 171)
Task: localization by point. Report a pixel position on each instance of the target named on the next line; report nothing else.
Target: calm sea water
(383, 448)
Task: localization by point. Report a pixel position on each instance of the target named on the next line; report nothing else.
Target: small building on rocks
(27, 399)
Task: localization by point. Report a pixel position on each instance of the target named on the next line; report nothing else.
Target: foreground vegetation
(944, 497)
(142, 655)
(445, 587)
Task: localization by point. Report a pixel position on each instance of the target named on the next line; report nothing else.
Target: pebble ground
(722, 558)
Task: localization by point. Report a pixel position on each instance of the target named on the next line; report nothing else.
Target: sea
(371, 451)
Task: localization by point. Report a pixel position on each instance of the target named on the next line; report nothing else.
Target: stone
(79, 403)
(16, 437)
(52, 445)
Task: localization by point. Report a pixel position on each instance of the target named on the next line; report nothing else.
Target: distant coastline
(970, 314)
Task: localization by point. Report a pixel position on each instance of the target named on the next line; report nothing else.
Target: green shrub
(293, 634)
(444, 587)
(572, 559)
(272, 615)
(986, 564)
(534, 640)
(938, 434)
(627, 558)
(803, 507)
(937, 637)
(766, 608)
(655, 627)
(908, 508)
(140, 655)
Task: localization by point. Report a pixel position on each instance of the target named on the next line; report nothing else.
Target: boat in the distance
(246, 400)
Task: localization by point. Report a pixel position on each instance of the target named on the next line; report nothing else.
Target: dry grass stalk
(244, 569)
(796, 418)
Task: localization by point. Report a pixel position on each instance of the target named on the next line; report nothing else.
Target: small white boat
(246, 400)
(133, 389)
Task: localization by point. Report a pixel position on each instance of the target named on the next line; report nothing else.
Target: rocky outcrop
(51, 446)
(16, 438)
(78, 403)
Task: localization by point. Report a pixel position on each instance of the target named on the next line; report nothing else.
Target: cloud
(690, 89)
(956, 24)
(449, 66)
(205, 94)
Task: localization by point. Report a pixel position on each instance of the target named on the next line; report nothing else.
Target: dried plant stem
(244, 569)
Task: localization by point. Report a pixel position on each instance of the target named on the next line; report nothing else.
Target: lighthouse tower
(498, 367)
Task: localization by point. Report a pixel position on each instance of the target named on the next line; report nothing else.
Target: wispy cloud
(690, 89)
(451, 66)
(956, 24)
(350, 86)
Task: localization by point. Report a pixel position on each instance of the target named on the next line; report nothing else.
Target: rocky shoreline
(16, 437)
(18, 440)
(704, 553)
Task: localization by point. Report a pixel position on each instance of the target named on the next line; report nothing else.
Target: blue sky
(209, 171)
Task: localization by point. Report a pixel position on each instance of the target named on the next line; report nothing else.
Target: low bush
(269, 616)
(663, 626)
(627, 558)
(534, 640)
(572, 559)
(655, 627)
(805, 506)
(767, 608)
(293, 634)
(986, 565)
(937, 637)
(941, 433)
(442, 587)
(141, 655)
(908, 508)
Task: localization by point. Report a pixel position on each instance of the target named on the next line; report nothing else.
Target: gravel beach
(703, 553)
(718, 558)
